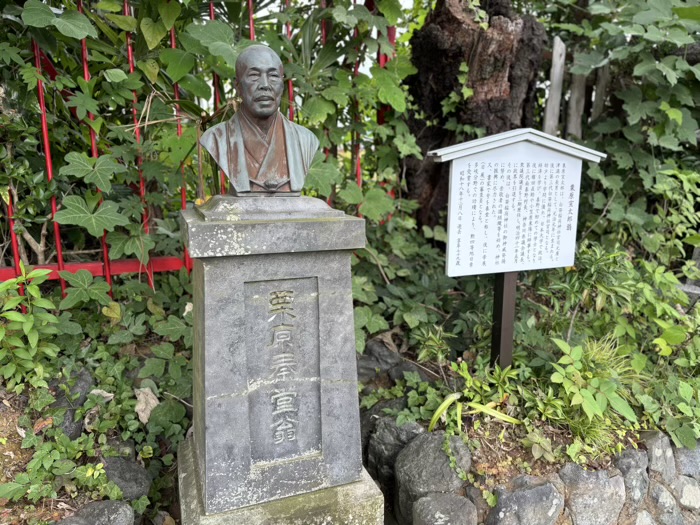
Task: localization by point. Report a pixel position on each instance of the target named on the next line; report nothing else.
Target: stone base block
(359, 503)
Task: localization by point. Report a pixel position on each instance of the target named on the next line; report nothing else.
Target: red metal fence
(107, 268)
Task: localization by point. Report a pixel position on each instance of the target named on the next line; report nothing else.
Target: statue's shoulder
(214, 133)
(305, 135)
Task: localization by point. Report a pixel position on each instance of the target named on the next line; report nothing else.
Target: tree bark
(503, 62)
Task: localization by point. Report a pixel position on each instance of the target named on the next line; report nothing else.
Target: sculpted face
(259, 81)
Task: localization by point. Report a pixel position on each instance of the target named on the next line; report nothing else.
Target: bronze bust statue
(260, 151)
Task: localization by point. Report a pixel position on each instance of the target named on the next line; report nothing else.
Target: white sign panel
(512, 208)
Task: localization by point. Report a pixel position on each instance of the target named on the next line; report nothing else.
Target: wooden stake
(503, 319)
(556, 82)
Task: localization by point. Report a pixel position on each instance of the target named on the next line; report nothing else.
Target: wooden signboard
(513, 206)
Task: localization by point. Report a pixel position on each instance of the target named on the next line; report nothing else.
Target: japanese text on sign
(510, 214)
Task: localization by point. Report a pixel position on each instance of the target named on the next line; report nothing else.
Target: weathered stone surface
(481, 505)
(688, 461)
(102, 513)
(644, 518)
(78, 392)
(368, 368)
(663, 505)
(593, 498)
(370, 417)
(249, 231)
(129, 476)
(660, 455)
(386, 357)
(687, 492)
(274, 350)
(531, 500)
(633, 465)
(444, 509)
(357, 503)
(423, 467)
(384, 446)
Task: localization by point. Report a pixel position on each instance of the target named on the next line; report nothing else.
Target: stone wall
(656, 486)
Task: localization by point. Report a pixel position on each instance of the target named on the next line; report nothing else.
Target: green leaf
(686, 436)
(115, 75)
(316, 109)
(351, 194)
(179, 63)
(83, 104)
(83, 288)
(590, 405)
(391, 9)
(110, 6)
(75, 25)
(674, 335)
(376, 204)
(685, 391)
(125, 23)
(150, 68)
(98, 171)
(163, 350)
(37, 14)
(389, 91)
(153, 32)
(169, 11)
(76, 211)
(621, 407)
(153, 367)
(323, 175)
(196, 86)
(686, 13)
(336, 94)
(174, 328)
(12, 491)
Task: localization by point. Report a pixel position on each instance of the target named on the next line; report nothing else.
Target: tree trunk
(503, 62)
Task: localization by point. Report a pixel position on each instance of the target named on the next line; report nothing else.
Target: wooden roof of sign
(511, 137)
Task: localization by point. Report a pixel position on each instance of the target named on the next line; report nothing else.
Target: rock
(82, 384)
(482, 506)
(163, 518)
(397, 372)
(688, 462)
(531, 501)
(687, 492)
(385, 357)
(444, 509)
(423, 467)
(660, 455)
(644, 518)
(633, 465)
(384, 445)
(129, 476)
(593, 498)
(102, 513)
(369, 418)
(368, 368)
(663, 505)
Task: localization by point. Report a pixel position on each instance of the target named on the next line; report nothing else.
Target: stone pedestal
(275, 386)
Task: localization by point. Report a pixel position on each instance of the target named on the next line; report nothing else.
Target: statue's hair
(251, 49)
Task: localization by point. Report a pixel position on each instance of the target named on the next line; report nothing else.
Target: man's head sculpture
(260, 151)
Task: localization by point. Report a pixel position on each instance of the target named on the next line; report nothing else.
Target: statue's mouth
(264, 98)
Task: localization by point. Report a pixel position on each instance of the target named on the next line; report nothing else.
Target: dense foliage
(588, 338)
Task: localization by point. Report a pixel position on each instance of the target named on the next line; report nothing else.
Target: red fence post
(183, 188)
(137, 132)
(46, 144)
